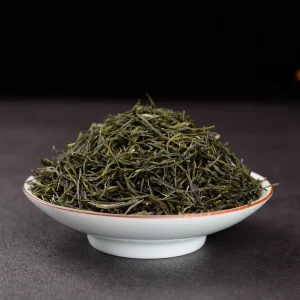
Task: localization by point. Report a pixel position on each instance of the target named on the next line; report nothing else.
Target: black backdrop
(210, 56)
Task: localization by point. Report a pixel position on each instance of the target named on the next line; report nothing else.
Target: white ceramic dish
(148, 237)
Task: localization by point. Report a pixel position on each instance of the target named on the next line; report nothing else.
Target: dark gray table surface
(258, 258)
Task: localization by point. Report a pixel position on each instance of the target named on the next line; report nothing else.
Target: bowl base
(146, 249)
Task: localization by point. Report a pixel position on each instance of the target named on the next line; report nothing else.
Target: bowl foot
(146, 249)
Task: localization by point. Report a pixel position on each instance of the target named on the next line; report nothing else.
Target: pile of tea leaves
(150, 161)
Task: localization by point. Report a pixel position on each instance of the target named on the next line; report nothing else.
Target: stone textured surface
(256, 259)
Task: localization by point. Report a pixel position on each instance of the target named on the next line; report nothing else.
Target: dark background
(210, 55)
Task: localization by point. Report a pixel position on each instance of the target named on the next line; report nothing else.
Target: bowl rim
(204, 214)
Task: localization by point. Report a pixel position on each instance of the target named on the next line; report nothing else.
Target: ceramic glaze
(148, 237)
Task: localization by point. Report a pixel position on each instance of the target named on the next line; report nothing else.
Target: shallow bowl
(148, 237)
